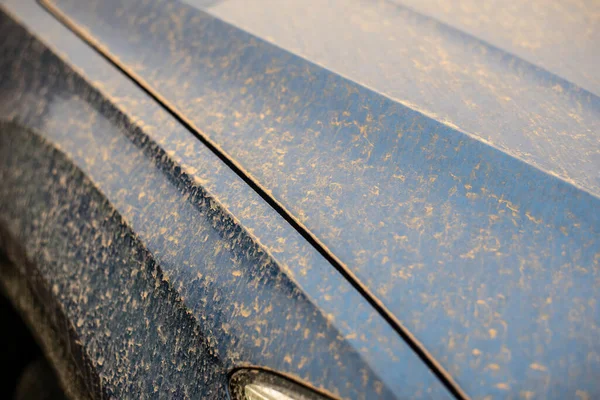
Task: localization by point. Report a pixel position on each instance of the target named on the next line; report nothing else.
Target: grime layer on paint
(471, 213)
(168, 268)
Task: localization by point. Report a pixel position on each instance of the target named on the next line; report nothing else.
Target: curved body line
(445, 378)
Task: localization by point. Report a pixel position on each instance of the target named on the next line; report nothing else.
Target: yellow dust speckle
(582, 395)
(245, 312)
(302, 362)
(537, 367)
(526, 394)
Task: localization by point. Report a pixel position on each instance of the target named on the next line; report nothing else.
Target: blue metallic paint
(170, 269)
(458, 223)
(462, 191)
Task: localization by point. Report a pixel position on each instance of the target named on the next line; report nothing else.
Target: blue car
(300, 199)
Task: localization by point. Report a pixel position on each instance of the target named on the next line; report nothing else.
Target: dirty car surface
(388, 199)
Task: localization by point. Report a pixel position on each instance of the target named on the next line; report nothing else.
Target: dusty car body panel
(532, 110)
(163, 266)
(462, 191)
